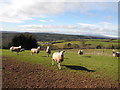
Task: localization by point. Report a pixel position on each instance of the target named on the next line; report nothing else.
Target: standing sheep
(21, 50)
(114, 53)
(58, 57)
(16, 49)
(48, 51)
(35, 50)
(117, 54)
(80, 52)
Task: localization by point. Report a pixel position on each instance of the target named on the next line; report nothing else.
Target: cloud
(18, 11)
(49, 26)
(88, 25)
(46, 20)
(109, 18)
(102, 28)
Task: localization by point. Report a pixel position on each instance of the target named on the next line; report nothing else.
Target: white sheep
(48, 51)
(117, 54)
(80, 52)
(58, 57)
(21, 50)
(16, 49)
(35, 50)
(114, 53)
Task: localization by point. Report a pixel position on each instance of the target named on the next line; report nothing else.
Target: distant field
(94, 63)
(91, 42)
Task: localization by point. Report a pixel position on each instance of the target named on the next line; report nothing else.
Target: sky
(78, 17)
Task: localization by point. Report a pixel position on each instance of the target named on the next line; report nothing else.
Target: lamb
(22, 49)
(16, 49)
(115, 54)
(48, 51)
(80, 52)
(35, 50)
(58, 57)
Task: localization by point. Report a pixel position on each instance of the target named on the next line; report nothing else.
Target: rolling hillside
(49, 36)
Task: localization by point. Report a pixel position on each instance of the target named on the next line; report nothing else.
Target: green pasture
(93, 64)
(92, 42)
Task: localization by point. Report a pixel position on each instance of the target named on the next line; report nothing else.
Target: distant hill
(49, 36)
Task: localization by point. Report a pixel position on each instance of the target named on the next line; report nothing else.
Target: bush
(71, 46)
(99, 47)
(26, 40)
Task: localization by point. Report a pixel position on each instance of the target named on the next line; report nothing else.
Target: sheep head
(19, 46)
(61, 53)
(38, 48)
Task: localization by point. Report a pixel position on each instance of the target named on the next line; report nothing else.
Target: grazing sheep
(58, 57)
(35, 50)
(114, 53)
(16, 49)
(80, 52)
(117, 54)
(22, 49)
(48, 51)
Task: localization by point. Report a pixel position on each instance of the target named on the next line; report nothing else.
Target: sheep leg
(36, 54)
(47, 55)
(59, 66)
(52, 62)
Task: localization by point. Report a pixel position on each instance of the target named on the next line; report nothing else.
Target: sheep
(117, 54)
(80, 52)
(35, 50)
(58, 57)
(114, 53)
(22, 49)
(48, 51)
(16, 49)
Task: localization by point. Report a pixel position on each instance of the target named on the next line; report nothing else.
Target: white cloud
(27, 9)
(49, 26)
(88, 25)
(46, 20)
(21, 10)
(103, 28)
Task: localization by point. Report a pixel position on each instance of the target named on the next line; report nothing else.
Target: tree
(99, 46)
(112, 47)
(26, 40)
(69, 45)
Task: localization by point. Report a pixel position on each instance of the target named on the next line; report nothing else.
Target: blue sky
(66, 17)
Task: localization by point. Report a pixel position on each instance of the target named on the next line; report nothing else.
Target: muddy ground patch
(17, 74)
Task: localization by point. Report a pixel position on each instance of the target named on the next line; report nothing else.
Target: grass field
(94, 63)
(91, 42)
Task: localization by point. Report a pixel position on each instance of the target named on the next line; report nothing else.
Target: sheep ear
(59, 51)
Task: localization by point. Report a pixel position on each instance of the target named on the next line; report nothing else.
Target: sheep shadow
(44, 56)
(73, 67)
(66, 58)
(87, 56)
